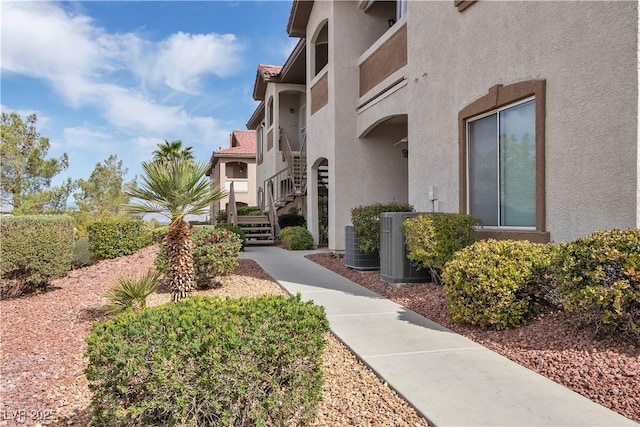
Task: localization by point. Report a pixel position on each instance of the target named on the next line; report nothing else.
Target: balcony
(383, 65)
(240, 185)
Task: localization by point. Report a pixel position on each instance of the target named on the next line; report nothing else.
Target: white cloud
(182, 59)
(85, 138)
(43, 119)
(40, 39)
(79, 59)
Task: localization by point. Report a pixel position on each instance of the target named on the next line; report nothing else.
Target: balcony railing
(381, 64)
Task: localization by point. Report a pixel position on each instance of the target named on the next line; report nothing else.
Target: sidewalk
(448, 378)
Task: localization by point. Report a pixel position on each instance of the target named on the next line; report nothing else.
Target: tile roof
(242, 142)
(267, 71)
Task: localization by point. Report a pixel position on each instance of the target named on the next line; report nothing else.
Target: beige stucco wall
(586, 51)
(250, 196)
(285, 96)
(361, 171)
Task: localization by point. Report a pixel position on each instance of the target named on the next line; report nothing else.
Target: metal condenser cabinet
(395, 267)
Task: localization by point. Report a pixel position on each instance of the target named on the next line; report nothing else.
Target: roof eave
(257, 117)
(299, 17)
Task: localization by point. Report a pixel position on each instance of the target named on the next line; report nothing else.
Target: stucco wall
(361, 171)
(586, 52)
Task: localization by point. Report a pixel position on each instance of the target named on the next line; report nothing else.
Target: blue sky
(119, 77)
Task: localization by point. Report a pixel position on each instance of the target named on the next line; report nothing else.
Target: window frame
(500, 97)
(495, 112)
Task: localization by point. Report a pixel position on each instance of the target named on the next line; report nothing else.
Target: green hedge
(496, 283)
(209, 362)
(34, 250)
(366, 223)
(432, 239)
(598, 276)
(296, 238)
(117, 237)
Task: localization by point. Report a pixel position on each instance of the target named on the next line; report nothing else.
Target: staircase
(282, 191)
(257, 229)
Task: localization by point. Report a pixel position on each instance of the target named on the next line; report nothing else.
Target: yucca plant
(175, 189)
(132, 293)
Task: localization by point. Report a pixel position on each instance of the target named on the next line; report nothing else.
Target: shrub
(81, 253)
(158, 233)
(496, 283)
(366, 223)
(34, 250)
(221, 217)
(296, 238)
(237, 230)
(433, 238)
(204, 361)
(248, 210)
(598, 276)
(116, 237)
(215, 253)
(131, 294)
(291, 219)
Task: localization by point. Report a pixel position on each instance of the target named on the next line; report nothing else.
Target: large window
(502, 166)
(502, 161)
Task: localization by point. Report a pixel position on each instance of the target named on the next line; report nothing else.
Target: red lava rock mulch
(603, 369)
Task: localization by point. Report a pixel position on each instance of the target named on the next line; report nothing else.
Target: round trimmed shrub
(209, 362)
(215, 253)
(237, 230)
(494, 283)
(433, 238)
(296, 238)
(598, 276)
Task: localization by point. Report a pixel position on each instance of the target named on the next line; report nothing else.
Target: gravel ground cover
(603, 369)
(42, 340)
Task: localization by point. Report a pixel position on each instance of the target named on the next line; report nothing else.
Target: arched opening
(236, 170)
(321, 49)
(321, 172)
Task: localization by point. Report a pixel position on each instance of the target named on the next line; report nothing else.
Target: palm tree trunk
(181, 274)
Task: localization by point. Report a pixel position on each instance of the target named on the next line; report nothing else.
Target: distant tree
(103, 193)
(25, 173)
(172, 152)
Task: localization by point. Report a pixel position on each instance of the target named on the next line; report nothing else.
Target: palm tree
(172, 152)
(175, 190)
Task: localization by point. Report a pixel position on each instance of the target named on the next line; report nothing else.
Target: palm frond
(132, 293)
(174, 189)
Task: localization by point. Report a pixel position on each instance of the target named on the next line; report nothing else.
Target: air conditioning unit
(353, 257)
(395, 267)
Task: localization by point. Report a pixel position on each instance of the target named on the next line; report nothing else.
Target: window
(270, 112)
(321, 49)
(502, 166)
(260, 144)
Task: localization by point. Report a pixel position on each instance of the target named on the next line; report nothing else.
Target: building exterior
(235, 164)
(524, 114)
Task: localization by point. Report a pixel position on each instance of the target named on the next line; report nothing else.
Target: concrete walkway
(448, 378)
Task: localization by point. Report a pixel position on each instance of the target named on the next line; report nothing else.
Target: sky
(119, 77)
